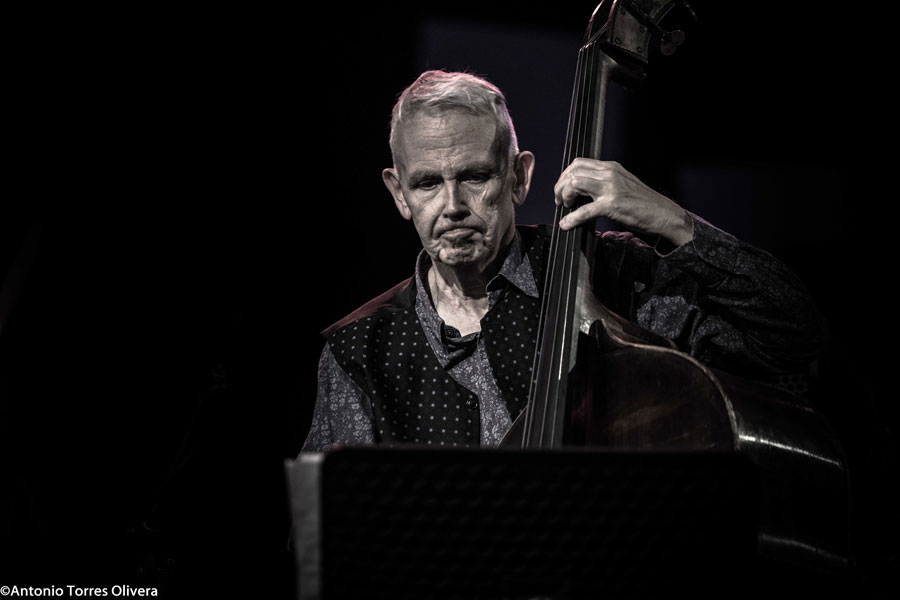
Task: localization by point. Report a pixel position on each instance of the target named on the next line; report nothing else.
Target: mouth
(458, 233)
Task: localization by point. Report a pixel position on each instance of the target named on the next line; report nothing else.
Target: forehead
(447, 136)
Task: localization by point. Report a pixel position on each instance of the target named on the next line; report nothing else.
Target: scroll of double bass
(600, 381)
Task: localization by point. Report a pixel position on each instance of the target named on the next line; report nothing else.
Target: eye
(475, 177)
(427, 184)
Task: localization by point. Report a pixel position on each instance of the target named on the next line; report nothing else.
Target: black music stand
(417, 524)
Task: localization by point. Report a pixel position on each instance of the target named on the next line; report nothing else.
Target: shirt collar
(516, 269)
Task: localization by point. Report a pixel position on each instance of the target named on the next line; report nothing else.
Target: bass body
(600, 381)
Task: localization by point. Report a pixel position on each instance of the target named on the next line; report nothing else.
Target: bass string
(570, 254)
(562, 254)
(531, 408)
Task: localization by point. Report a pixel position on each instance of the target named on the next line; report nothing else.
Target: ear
(392, 183)
(522, 170)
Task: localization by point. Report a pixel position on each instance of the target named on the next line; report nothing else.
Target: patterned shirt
(723, 301)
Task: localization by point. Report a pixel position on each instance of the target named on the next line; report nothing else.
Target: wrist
(679, 229)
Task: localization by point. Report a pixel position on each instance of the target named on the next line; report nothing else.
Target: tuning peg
(670, 41)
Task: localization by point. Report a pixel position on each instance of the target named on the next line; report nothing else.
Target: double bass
(601, 381)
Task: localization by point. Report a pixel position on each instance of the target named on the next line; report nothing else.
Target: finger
(571, 187)
(584, 174)
(583, 214)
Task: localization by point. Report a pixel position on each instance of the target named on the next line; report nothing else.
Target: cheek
(495, 207)
(485, 196)
(423, 218)
(487, 203)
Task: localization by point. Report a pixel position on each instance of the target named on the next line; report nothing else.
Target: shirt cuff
(711, 255)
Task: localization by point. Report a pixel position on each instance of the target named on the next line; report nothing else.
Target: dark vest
(383, 348)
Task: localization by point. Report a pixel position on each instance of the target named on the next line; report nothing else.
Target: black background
(203, 188)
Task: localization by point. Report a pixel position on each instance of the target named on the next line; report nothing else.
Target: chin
(456, 258)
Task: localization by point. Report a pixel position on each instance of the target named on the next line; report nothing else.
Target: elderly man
(419, 363)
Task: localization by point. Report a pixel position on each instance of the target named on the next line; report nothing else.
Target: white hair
(442, 90)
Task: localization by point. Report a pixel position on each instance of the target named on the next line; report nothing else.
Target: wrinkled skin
(458, 191)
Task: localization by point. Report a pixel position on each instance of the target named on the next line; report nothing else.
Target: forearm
(723, 301)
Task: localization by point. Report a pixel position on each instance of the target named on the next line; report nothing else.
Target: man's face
(459, 192)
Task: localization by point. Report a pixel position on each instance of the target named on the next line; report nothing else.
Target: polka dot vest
(383, 348)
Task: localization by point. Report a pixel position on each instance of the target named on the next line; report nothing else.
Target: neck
(460, 294)
(460, 300)
(465, 284)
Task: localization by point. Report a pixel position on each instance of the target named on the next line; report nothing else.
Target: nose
(455, 202)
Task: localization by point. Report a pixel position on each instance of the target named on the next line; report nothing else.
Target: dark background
(192, 196)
